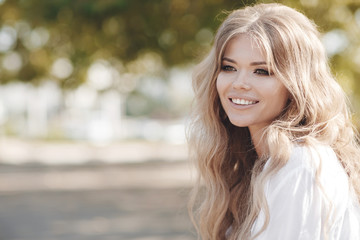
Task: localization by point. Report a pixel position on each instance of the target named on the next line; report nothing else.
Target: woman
(271, 134)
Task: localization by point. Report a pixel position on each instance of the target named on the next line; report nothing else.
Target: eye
(263, 72)
(227, 68)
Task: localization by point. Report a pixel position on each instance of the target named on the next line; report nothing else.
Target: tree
(36, 34)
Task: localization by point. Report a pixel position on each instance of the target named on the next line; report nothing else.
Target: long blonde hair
(229, 189)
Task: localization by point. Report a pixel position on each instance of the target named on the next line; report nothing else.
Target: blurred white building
(92, 112)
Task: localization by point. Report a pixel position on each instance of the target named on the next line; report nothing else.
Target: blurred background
(94, 101)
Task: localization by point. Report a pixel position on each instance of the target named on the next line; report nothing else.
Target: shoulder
(316, 168)
(318, 161)
(312, 186)
(303, 160)
(313, 157)
(299, 171)
(321, 161)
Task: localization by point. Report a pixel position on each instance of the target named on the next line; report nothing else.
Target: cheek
(277, 95)
(219, 85)
(285, 94)
(222, 83)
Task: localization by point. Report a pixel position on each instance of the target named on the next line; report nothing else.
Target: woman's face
(249, 92)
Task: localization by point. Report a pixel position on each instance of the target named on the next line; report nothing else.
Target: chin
(238, 123)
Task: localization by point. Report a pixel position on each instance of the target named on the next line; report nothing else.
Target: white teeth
(242, 101)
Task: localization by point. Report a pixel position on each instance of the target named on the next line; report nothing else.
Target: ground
(97, 201)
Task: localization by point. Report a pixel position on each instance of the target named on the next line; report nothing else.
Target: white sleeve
(295, 207)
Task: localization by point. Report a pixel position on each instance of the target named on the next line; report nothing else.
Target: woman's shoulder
(317, 164)
(322, 165)
(319, 158)
(313, 186)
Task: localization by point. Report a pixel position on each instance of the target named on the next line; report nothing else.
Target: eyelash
(262, 72)
(259, 71)
(227, 68)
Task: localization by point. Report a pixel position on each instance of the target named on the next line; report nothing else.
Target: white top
(299, 206)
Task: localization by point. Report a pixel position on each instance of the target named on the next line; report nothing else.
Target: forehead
(244, 46)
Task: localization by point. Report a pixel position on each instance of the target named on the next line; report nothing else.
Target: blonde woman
(271, 134)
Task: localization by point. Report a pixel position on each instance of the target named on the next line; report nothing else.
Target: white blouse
(299, 205)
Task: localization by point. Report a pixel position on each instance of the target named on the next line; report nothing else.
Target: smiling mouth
(243, 102)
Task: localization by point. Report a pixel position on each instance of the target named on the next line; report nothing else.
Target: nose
(241, 81)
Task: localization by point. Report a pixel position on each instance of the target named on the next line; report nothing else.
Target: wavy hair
(229, 190)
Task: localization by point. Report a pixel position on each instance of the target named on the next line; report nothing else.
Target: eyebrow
(252, 64)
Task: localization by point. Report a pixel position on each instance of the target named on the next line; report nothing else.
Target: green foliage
(87, 30)
(123, 31)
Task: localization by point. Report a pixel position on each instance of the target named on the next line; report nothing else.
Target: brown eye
(262, 72)
(227, 68)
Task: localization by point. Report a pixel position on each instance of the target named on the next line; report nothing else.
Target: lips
(243, 102)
